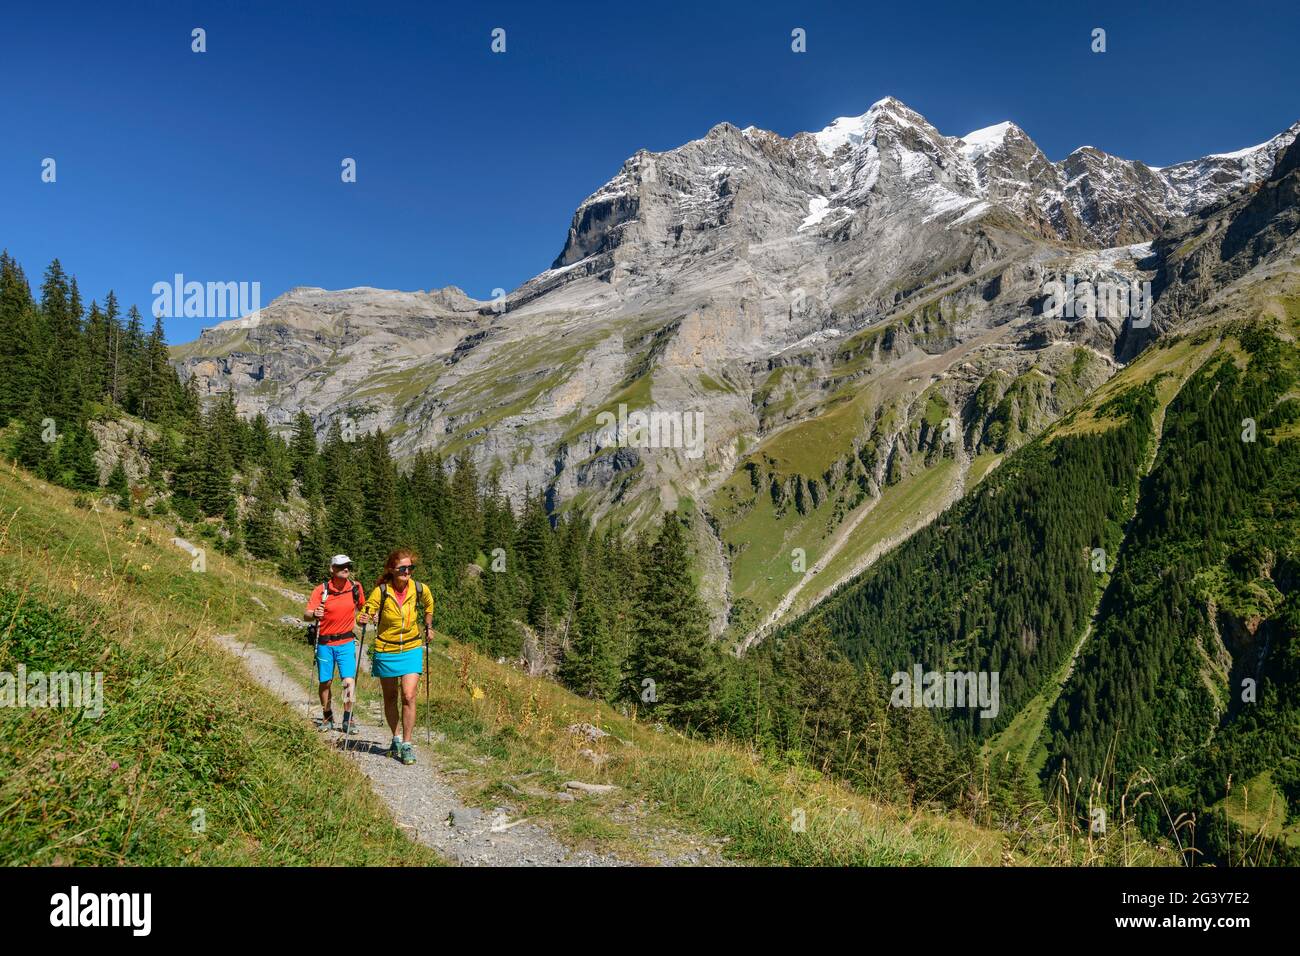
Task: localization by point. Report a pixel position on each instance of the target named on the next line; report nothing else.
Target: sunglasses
(404, 568)
(342, 567)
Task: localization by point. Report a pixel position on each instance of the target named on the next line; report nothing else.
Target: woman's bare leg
(389, 685)
(410, 685)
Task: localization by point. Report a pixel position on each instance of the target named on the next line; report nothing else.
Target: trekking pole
(315, 642)
(356, 691)
(428, 722)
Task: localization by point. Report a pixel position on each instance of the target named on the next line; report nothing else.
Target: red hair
(392, 561)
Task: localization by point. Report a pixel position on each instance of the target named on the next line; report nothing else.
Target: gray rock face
(122, 441)
(740, 286)
(1225, 241)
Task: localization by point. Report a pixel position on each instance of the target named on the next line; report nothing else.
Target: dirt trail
(420, 798)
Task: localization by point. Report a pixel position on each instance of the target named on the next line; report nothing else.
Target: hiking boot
(408, 754)
(350, 724)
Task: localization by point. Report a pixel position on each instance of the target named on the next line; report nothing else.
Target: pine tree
(214, 469)
(31, 449)
(303, 455)
(590, 668)
(379, 499)
(232, 540)
(673, 670)
(313, 546)
(262, 534)
(503, 637)
(119, 486)
(96, 349)
(111, 357)
(61, 368)
(159, 384)
(546, 597)
(131, 362)
(344, 518)
(72, 463)
(23, 332)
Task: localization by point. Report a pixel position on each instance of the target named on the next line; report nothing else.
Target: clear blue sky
(225, 165)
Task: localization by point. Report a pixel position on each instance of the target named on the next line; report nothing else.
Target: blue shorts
(398, 663)
(342, 655)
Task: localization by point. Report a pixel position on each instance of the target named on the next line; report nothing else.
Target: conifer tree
(673, 671)
(262, 534)
(22, 329)
(589, 667)
(31, 449)
(119, 486)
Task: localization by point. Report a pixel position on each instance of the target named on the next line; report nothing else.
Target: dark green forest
(1003, 581)
(1191, 676)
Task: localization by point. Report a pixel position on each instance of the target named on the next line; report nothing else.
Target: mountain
(817, 307)
(1170, 665)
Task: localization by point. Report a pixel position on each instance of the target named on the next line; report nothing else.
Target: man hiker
(333, 607)
(398, 606)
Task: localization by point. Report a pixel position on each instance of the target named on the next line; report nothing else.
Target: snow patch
(975, 144)
(975, 211)
(818, 207)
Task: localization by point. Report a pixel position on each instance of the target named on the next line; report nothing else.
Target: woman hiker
(333, 607)
(395, 606)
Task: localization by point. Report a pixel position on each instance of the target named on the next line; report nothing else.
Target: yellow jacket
(398, 626)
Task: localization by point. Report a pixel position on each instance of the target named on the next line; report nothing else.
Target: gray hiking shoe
(349, 725)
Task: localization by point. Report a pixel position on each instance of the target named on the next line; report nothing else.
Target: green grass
(188, 730)
(980, 466)
(185, 737)
(1021, 742)
(1259, 808)
(811, 447)
(898, 505)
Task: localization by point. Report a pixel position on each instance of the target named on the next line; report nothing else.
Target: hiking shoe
(395, 749)
(350, 726)
(324, 724)
(408, 754)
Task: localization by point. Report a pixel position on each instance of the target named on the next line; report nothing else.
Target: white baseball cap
(339, 559)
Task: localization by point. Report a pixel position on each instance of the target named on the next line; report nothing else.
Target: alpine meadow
(872, 496)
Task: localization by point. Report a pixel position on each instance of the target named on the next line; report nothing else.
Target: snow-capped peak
(978, 142)
(855, 129)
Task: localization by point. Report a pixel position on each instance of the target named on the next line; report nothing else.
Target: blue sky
(225, 165)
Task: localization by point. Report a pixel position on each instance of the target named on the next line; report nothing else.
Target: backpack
(313, 629)
(383, 598)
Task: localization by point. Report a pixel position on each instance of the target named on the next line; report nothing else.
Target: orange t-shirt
(340, 618)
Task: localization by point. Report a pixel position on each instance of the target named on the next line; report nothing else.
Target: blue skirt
(398, 663)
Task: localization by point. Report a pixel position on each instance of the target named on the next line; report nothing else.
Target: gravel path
(421, 800)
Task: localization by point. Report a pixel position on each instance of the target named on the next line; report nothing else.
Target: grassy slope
(1259, 808)
(196, 733)
(899, 507)
(183, 729)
